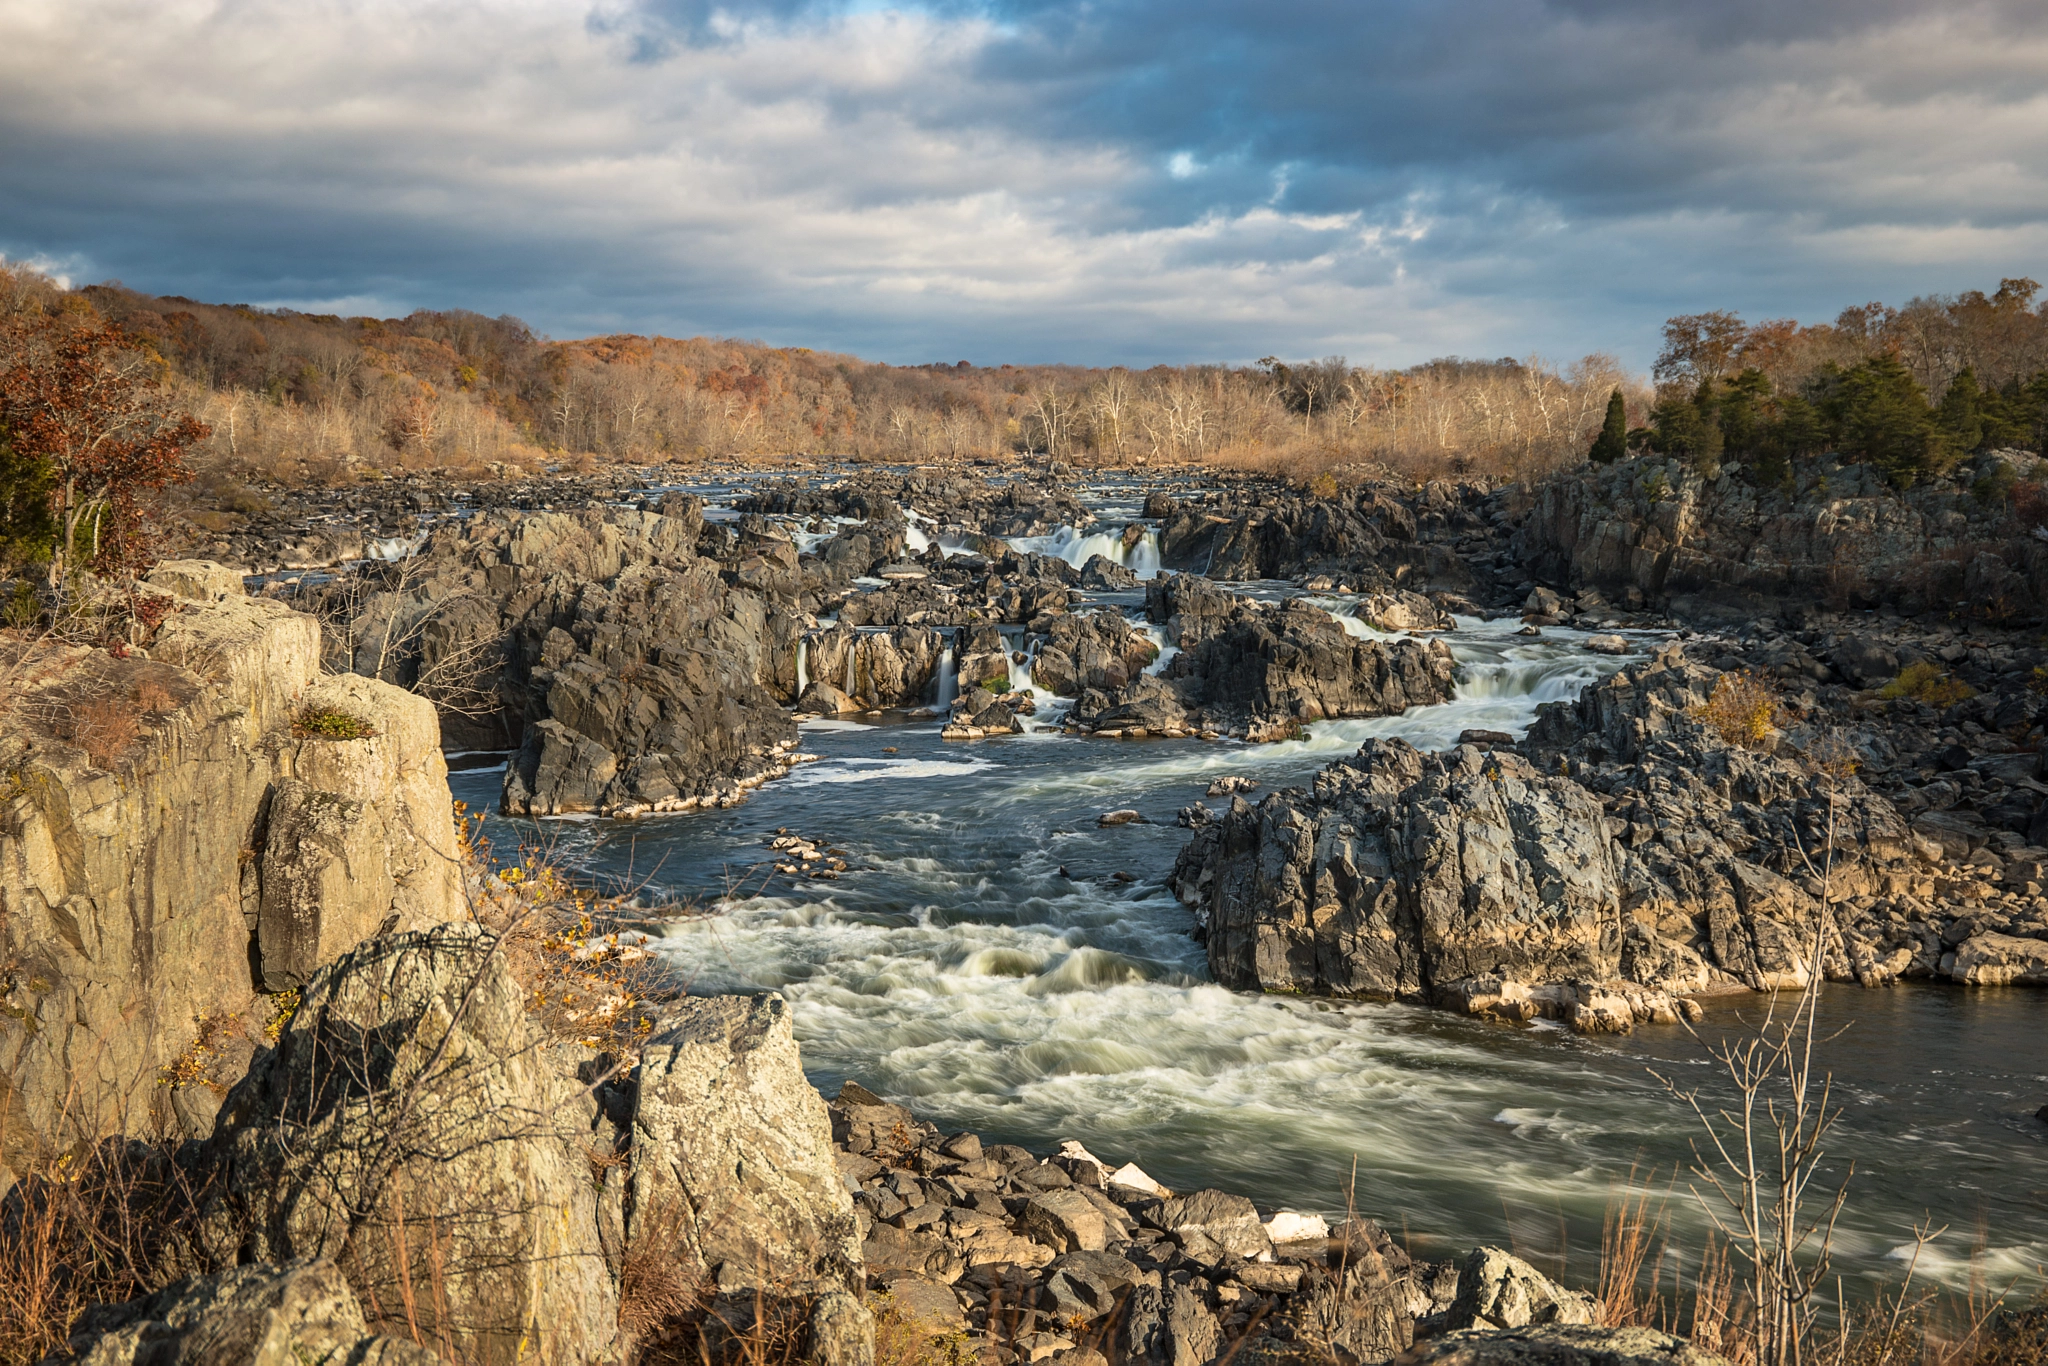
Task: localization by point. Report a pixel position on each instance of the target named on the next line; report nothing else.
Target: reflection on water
(984, 962)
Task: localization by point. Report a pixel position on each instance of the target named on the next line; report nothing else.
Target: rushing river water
(998, 962)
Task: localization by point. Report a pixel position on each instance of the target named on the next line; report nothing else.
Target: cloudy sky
(1103, 181)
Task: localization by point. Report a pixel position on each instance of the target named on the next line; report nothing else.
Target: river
(999, 963)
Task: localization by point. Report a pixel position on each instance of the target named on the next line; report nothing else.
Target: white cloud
(901, 184)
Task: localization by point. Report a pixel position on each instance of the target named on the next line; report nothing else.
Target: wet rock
(1231, 785)
(1125, 817)
(1607, 645)
(1399, 870)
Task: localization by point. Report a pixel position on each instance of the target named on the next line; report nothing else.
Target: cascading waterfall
(1077, 548)
(949, 679)
(1157, 635)
(803, 665)
(852, 647)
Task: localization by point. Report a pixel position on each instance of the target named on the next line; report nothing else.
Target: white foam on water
(1077, 547)
(874, 770)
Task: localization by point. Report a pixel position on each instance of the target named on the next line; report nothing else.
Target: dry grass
(97, 1225)
(1648, 1280)
(1743, 710)
(106, 728)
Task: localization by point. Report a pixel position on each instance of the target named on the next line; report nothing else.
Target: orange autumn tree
(80, 398)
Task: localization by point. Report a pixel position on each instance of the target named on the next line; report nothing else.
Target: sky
(1092, 181)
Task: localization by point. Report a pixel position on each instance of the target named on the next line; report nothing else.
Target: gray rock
(1560, 1345)
(1499, 1290)
(1231, 1221)
(412, 1118)
(326, 881)
(260, 1315)
(1065, 1221)
(735, 1144)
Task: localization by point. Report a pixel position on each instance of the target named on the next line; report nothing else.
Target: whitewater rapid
(995, 960)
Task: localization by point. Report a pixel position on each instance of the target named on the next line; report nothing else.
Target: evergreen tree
(28, 533)
(1877, 411)
(1960, 413)
(1612, 443)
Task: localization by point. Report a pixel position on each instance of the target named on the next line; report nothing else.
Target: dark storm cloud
(1020, 180)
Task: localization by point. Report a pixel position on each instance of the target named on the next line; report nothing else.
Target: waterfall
(949, 680)
(803, 664)
(1157, 635)
(1144, 556)
(851, 646)
(1077, 548)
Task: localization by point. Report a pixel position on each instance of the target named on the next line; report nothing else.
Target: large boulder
(732, 1147)
(1497, 1289)
(260, 1315)
(1624, 855)
(414, 1126)
(134, 858)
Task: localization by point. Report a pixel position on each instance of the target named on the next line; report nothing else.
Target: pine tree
(1612, 443)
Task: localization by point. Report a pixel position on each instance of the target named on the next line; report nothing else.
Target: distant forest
(304, 396)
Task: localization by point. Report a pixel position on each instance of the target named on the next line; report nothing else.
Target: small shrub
(1928, 682)
(283, 1005)
(1323, 485)
(154, 698)
(1743, 710)
(23, 609)
(105, 728)
(314, 724)
(195, 1064)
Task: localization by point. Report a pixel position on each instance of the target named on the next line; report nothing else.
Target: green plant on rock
(1928, 682)
(314, 723)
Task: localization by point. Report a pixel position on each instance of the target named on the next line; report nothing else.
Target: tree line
(1913, 391)
(309, 396)
(108, 396)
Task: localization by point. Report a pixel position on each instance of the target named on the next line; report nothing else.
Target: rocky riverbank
(1629, 853)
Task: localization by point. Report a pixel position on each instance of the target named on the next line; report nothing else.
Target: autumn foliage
(78, 399)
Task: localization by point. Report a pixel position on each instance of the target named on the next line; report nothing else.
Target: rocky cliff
(1840, 537)
(182, 831)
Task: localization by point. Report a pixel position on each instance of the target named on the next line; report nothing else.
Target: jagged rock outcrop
(1260, 671)
(1629, 857)
(732, 1149)
(414, 1126)
(660, 667)
(1083, 650)
(897, 667)
(1841, 536)
(260, 1315)
(150, 876)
